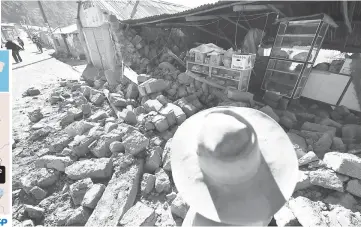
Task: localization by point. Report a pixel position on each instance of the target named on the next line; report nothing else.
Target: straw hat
(233, 165)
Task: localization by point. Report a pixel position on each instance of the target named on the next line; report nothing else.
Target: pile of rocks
(108, 162)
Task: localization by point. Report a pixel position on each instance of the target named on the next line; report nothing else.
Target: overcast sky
(192, 3)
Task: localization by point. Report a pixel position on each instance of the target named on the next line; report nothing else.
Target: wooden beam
(177, 24)
(245, 8)
(200, 18)
(276, 10)
(132, 13)
(229, 20)
(175, 57)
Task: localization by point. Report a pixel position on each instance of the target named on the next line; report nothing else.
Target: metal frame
(305, 63)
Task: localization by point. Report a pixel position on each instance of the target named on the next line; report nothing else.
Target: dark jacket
(21, 42)
(12, 46)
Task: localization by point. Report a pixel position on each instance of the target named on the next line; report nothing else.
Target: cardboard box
(199, 57)
(215, 59)
(243, 61)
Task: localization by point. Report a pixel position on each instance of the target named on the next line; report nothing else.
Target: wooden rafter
(276, 10)
(229, 20)
(214, 34)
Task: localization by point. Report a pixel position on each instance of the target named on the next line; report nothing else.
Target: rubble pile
(107, 162)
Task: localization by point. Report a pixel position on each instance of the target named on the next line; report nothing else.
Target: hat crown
(227, 149)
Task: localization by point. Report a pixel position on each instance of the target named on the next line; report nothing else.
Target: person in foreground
(10, 45)
(234, 166)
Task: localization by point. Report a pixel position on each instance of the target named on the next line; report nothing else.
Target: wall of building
(143, 48)
(75, 47)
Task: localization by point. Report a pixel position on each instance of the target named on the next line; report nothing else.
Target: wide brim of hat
(250, 201)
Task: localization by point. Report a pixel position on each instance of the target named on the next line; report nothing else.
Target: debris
(179, 207)
(308, 213)
(162, 183)
(153, 160)
(42, 178)
(93, 195)
(78, 190)
(147, 183)
(117, 198)
(93, 168)
(139, 215)
(347, 164)
(34, 212)
(354, 187)
(135, 142)
(38, 193)
(326, 179)
(35, 116)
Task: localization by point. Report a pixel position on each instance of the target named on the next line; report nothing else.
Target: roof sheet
(122, 9)
(199, 9)
(66, 30)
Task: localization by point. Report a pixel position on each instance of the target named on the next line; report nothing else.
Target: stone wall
(142, 48)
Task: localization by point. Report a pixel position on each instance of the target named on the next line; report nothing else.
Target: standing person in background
(21, 42)
(36, 40)
(10, 45)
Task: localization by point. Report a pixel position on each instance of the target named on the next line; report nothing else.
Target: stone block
(34, 212)
(78, 217)
(153, 105)
(326, 179)
(135, 142)
(97, 99)
(153, 160)
(346, 164)
(166, 156)
(162, 182)
(160, 122)
(117, 198)
(53, 162)
(101, 149)
(307, 212)
(147, 183)
(307, 158)
(78, 189)
(154, 85)
(80, 145)
(93, 168)
(354, 187)
(168, 112)
(132, 91)
(78, 128)
(38, 193)
(139, 215)
(313, 127)
(179, 207)
(117, 100)
(93, 195)
(42, 178)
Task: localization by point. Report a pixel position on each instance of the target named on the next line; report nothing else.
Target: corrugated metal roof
(122, 9)
(66, 30)
(199, 9)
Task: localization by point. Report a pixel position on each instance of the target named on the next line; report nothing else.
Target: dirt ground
(42, 72)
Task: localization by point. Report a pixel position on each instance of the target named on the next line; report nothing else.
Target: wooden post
(81, 34)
